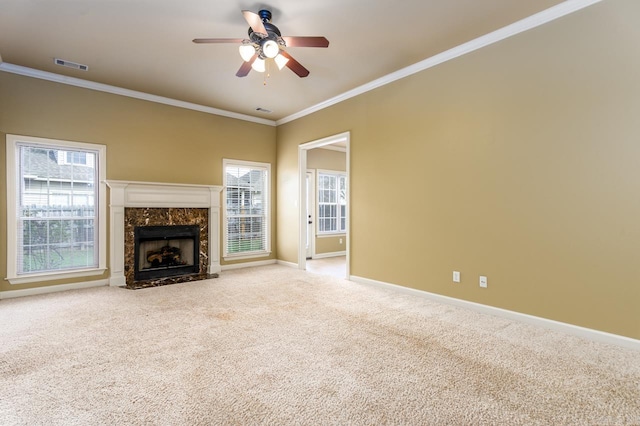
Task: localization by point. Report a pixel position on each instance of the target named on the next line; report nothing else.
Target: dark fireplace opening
(166, 251)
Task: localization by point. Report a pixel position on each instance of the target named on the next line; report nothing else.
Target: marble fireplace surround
(159, 195)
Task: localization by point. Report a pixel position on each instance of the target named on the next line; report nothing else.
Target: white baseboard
(331, 254)
(248, 264)
(52, 289)
(595, 335)
(289, 264)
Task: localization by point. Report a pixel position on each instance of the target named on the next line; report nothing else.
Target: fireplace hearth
(166, 251)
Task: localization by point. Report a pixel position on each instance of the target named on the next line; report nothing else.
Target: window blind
(247, 209)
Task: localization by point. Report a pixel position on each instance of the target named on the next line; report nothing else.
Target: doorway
(306, 230)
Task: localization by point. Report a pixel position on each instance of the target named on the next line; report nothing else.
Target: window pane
(329, 225)
(246, 209)
(56, 210)
(331, 202)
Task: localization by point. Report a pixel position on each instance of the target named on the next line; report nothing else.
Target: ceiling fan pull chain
(266, 74)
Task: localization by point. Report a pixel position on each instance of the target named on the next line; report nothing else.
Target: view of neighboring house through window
(246, 201)
(77, 157)
(332, 202)
(55, 197)
(56, 213)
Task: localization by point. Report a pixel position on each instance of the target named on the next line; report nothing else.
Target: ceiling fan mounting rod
(265, 15)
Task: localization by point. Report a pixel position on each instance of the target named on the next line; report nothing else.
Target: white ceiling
(145, 45)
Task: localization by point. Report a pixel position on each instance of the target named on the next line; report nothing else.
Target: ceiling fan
(266, 42)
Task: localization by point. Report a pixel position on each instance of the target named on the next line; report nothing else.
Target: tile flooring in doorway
(333, 266)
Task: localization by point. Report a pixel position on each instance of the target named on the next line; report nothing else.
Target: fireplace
(166, 251)
(157, 205)
(165, 246)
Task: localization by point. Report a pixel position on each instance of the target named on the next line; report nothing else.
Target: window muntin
(332, 202)
(55, 209)
(246, 200)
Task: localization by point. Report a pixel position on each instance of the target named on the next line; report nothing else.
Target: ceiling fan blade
(255, 22)
(246, 67)
(294, 65)
(306, 41)
(217, 40)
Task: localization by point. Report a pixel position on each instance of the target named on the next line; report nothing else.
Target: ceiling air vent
(266, 111)
(70, 64)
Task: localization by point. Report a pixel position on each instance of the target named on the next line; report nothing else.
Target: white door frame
(311, 210)
(302, 196)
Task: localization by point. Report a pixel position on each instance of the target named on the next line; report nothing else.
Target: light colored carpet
(275, 345)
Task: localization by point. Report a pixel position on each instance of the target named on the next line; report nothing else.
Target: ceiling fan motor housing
(273, 33)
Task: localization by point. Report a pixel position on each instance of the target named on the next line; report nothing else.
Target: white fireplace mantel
(159, 195)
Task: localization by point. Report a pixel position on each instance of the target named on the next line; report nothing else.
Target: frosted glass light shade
(246, 52)
(258, 65)
(281, 61)
(270, 49)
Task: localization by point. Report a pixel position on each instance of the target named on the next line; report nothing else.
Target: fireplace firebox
(166, 251)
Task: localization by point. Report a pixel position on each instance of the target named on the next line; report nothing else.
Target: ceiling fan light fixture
(258, 65)
(270, 49)
(281, 61)
(247, 51)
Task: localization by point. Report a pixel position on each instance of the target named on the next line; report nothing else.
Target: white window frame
(225, 237)
(12, 161)
(338, 175)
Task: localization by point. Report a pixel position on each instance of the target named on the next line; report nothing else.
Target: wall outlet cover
(483, 281)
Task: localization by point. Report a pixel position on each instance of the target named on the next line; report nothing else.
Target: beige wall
(325, 159)
(518, 162)
(145, 141)
(329, 245)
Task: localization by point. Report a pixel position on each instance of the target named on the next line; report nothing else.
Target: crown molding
(78, 82)
(503, 33)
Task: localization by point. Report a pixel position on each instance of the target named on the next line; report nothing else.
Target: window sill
(331, 235)
(50, 276)
(243, 256)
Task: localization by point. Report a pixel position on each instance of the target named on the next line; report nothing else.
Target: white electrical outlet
(483, 281)
(340, 240)
(456, 276)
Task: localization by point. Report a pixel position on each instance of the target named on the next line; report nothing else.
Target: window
(56, 209)
(246, 215)
(332, 202)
